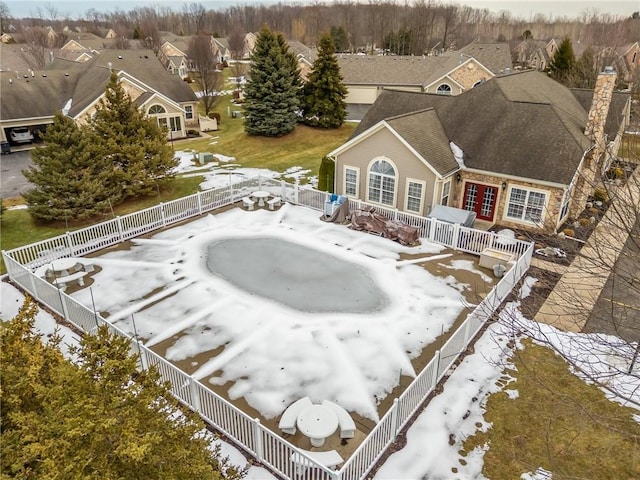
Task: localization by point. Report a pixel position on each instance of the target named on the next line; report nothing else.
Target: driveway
(13, 182)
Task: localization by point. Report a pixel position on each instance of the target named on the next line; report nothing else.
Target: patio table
(317, 422)
(61, 266)
(261, 196)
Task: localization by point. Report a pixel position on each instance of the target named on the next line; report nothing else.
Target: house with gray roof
(451, 73)
(32, 98)
(519, 150)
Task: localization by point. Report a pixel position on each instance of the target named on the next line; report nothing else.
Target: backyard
(266, 307)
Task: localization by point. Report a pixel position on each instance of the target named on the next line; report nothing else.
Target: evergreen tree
(71, 181)
(326, 175)
(98, 418)
(562, 66)
(340, 38)
(272, 93)
(324, 94)
(586, 71)
(135, 146)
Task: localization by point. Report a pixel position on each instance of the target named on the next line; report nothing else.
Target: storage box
(490, 257)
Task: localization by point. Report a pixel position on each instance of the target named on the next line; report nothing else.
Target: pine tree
(97, 418)
(135, 146)
(273, 90)
(324, 94)
(71, 181)
(562, 66)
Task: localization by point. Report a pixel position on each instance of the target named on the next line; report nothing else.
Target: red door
(480, 199)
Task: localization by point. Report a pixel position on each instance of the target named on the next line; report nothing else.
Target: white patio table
(317, 422)
(261, 196)
(61, 266)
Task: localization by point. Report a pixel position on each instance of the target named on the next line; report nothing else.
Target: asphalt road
(12, 182)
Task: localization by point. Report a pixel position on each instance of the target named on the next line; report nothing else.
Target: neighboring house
(305, 57)
(626, 60)
(222, 52)
(76, 52)
(518, 150)
(174, 59)
(451, 73)
(75, 88)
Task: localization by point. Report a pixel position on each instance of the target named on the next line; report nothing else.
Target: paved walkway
(570, 303)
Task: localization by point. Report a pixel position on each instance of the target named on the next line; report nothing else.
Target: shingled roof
(494, 56)
(523, 125)
(50, 89)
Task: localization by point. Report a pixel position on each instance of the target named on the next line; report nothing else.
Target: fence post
(142, 351)
(195, 395)
(164, 220)
(63, 303)
(456, 235)
(434, 381)
(199, 202)
(297, 191)
(69, 243)
(394, 418)
(257, 435)
(120, 228)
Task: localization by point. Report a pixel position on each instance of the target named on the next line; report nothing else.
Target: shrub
(593, 210)
(584, 222)
(188, 79)
(326, 175)
(569, 232)
(615, 173)
(600, 194)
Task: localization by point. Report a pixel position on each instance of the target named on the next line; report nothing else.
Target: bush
(593, 210)
(615, 173)
(326, 175)
(600, 194)
(584, 222)
(188, 79)
(569, 232)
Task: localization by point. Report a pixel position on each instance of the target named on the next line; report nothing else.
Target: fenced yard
(192, 390)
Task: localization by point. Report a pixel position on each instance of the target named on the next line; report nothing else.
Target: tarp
(369, 221)
(337, 215)
(453, 215)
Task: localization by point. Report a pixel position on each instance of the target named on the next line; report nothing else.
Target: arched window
(382, 182)
(156, 109)
(444, 89)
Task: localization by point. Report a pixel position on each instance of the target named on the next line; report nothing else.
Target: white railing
(248, 433)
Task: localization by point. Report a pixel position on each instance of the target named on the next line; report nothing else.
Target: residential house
(517, 150)
(175, 59)
(305, 57)
(31, 99)
(451, 73)
(73, 50)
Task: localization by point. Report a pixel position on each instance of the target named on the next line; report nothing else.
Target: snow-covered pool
(303, 278)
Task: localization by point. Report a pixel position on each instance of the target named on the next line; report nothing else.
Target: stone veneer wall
(469, 74)
(554, 199)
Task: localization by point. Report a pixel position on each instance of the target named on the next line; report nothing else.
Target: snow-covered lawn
(266, 351)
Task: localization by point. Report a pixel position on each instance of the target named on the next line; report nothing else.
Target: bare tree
(208, 78)
(5, 17)
(236, 42)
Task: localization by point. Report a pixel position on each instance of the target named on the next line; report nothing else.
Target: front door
(480, 199)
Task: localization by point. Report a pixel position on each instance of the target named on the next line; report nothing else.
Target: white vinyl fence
(248, 433)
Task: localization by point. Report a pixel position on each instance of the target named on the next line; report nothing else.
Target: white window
(176, 124)
(351, 181)
(156, 109)
(526, 205)
(382, 183)
(188, 112)
(444, 198)
(444, 89)
(415, 194)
